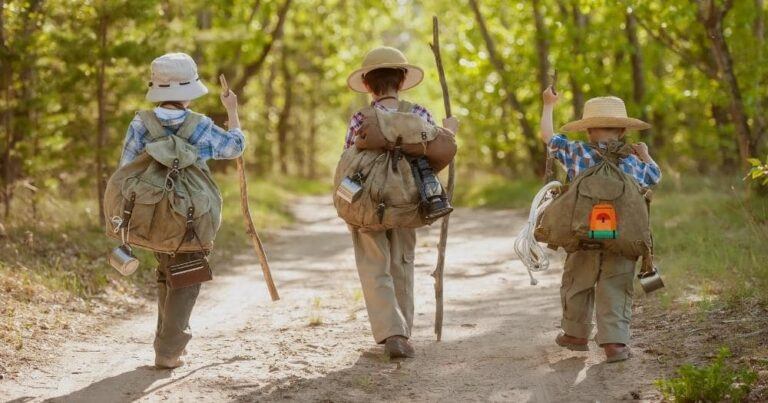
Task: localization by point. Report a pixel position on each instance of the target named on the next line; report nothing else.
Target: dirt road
(315, 345)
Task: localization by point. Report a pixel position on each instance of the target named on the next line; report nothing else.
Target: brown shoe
(572, 343)
(399, 347)
(615, 352)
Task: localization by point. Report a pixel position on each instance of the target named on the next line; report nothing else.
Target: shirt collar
(170, 117)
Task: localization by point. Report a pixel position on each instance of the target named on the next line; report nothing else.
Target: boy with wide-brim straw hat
(385, 259)
(597, 281)
(173, 85)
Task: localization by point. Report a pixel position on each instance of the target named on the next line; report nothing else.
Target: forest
(73, 73)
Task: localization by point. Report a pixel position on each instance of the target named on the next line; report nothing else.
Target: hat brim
(188, 92)
(413, 76)
(599, 121)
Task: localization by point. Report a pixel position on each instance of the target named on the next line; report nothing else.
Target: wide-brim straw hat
(174, 78)
(385, 57)
(605, 112)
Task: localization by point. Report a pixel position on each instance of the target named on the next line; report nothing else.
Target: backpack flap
(410, 127)
(601, 188)
(171, 148)
(145, 191)
(190, 193)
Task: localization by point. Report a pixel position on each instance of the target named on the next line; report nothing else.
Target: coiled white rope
(530, 252)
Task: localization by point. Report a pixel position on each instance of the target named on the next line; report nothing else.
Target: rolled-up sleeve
(561, 148)
(219, 144)
(135, 141)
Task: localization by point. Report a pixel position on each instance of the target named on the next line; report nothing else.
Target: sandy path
(497, 340)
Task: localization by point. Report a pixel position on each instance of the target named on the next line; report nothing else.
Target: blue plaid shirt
(212, 141)
(577, 157)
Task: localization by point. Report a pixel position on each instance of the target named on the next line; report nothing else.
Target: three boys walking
(594, 281)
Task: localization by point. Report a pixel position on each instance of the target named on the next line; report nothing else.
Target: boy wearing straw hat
(596, 281)
(385, 259)
(174, 83)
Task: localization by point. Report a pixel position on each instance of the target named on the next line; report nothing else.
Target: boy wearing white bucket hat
(385, 259)
(174, 83)
(597, 281)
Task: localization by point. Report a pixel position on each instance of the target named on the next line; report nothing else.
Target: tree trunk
(283, 123)
(638, 78)
(535, 149)
(712, 16)
(312, 171)
(263, 149)
(252, 68)
(6, 77)
(542, 46)
(759, 30)
(101, 125)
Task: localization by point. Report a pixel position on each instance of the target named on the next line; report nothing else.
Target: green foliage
(759, 171)
(495, 191)
(723, 255)
(712, 383)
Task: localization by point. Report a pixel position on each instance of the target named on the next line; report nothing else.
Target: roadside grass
(63, 247)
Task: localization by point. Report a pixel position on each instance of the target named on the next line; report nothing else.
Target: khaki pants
(385, 266)
(174, 308)
(601, 283)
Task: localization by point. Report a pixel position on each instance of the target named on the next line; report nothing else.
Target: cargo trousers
(601, 284)
(174, 307)
(385, 267)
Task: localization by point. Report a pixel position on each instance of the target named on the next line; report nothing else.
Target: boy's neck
(389, 99)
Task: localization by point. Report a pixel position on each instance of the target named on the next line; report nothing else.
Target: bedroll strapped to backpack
(603, 208)
(386, 193)
(381, 129)
(164, 200)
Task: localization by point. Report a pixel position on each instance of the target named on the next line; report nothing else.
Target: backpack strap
(190, 124)
(152, 123)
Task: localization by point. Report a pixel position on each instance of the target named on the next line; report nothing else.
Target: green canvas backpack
(164, 200)
(603, 208)
(390, 196)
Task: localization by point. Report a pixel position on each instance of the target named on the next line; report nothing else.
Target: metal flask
(650, 281)
(349, 190)
(123, 260)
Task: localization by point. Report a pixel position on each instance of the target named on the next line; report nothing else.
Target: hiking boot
(168, 362)
(399, 347)
(615, 352)
(572, 343)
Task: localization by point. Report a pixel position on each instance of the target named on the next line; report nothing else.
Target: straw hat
(174, 78)
(605, 112)
(385, 57)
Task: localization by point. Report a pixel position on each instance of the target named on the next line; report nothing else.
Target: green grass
(69, 249)
(711, 240)
(715, 382)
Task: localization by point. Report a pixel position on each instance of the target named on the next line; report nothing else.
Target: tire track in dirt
(314, 344)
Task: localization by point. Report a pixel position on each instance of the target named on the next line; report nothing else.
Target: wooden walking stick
(250, 228)
(438, 273)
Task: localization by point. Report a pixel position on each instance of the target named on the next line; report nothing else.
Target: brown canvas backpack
(603, 208)
(390, 196)
(381, 129)
(164, 200)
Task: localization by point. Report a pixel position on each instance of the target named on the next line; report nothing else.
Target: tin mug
(651, 281)
(349, 190)
(123, 260)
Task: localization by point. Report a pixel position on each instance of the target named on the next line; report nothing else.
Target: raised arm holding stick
(250, 228)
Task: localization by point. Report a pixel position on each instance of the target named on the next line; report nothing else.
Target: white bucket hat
(605, 112)
(385, 57)
(174, 78)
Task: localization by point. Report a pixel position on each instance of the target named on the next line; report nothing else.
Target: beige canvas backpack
(390, 197)
(164, 200)
(603, 208)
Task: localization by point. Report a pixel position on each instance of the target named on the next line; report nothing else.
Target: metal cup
(650, 281)
(349, 190)
(123, 260)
